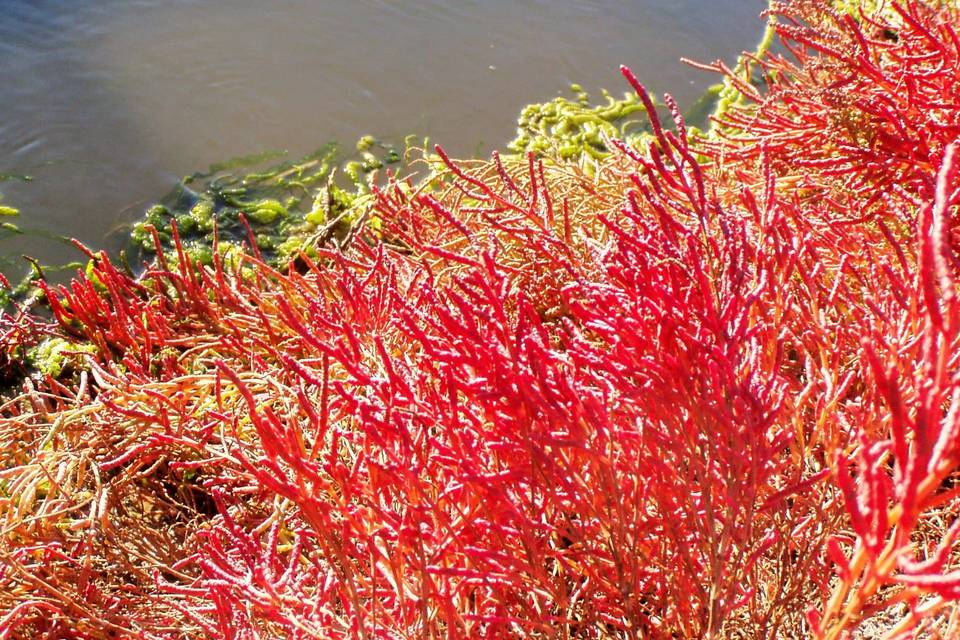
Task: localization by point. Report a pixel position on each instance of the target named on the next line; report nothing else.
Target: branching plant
(702, 386)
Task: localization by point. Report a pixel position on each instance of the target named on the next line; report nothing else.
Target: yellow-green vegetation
(55, 356)
(283, 205)
(7, 210)
(572, 128)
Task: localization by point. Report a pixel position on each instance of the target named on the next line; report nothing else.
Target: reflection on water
(106, 103)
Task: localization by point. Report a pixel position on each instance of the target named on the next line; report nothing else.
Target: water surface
(107, 103)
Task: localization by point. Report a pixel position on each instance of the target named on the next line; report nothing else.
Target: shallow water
(107, 103)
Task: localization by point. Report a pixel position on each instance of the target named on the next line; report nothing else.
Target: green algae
(241, 162)
(55, 356)
(7, 210)
(24, 287)
(20, 177)
(287, 205)
(266, 211)
(698, 115)
(574, 128)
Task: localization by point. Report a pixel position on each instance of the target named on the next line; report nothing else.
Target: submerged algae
(573, 128)
(284, 205)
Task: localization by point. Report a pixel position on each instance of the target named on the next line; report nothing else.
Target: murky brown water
(106, 103)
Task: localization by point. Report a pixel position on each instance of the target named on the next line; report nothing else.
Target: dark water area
(106, 104)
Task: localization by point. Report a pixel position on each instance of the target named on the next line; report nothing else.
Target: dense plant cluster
(707, 388)
(288, 207)
(569, 129)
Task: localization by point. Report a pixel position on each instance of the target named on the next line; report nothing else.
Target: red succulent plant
(708, 389)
